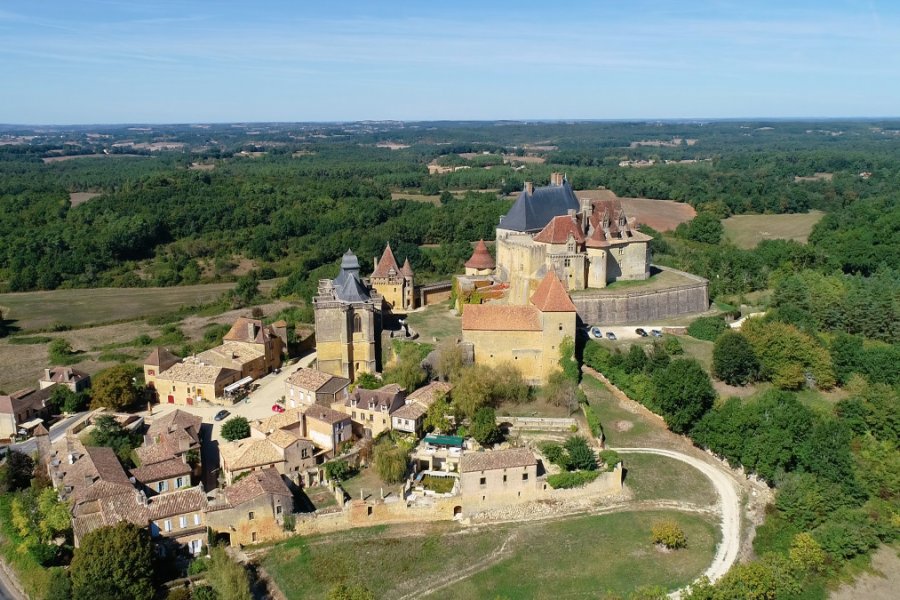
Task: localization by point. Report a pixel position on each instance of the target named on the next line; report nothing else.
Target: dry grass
(435, 323)
(77, 198)
(746, 231)
(528, 160)
(661, 215)
(436, 200)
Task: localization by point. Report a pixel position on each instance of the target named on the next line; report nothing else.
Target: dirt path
(729, 502)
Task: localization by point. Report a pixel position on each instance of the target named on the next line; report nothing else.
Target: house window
(483, 481)
(253, 536)
(567, 262)
(197, 519)
(524, 476)
(251, 515)
(504, 479)
(179, 482)
(167, 525)
(182, 522)
(162, 486)
(278, 510)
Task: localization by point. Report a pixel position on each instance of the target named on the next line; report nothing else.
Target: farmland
(746, 231)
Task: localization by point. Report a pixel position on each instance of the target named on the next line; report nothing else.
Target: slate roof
(256, 484)
(496, 459)
(551, 296)
(532, 212)
(558, 230)
(500, 317)
(384, 397)
(481, 258)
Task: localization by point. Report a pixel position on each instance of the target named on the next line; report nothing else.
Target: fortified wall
(608, 307)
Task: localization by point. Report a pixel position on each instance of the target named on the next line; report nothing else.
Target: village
(312, 420)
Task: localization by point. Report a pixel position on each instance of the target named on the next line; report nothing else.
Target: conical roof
(551, 296)
(481, 258)
(406, 269)
(387, 266)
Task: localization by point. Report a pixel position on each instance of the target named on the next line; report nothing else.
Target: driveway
(57, 430)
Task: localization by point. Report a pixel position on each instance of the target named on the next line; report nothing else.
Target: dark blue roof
(532, 212)
(347, 286)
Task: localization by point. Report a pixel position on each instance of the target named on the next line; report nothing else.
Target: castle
(587, 243)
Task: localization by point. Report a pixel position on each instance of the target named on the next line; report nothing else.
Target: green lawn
(576, 557)
(746, 231)
(436, 321)
(699, 349)
(367, 482)
(80, 307)
(620, 427)
(653, 477)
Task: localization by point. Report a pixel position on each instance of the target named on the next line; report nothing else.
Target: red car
(277, 408)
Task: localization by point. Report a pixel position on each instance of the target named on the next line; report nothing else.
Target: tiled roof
(191, 371)
(255, 484)
(66, 375)
(500, 317)
(248, 453)
(410, 411)
(324, 414)
(558, 230)
(496, 459)
(289, 417)
(481, 258)
(162, 358)
(173, 467)
(387, 265)
(29, 398)
(106, 465)
(427, 393)
(252, 331)
(309, 379)
(232, 355)
(406, 270)
(551, 296)
(175, 503)
(150, 454)
(176, 420)
(283, 438)
(531, 212)
(386, 396)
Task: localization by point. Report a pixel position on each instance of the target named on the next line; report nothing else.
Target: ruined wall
(607, 308)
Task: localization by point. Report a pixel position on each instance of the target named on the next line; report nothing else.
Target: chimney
(374, 262)
(47, 374)
(251, 330)
(556, 179)
(529, 187)
(571, 213)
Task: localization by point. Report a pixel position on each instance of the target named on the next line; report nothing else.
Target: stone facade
(348, 323)
(395, 284)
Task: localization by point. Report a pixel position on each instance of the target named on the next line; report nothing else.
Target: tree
(109, 433)
(368, 381)
(449, 360)
(668, 533)
(806, 553)
(706, 328)
(60, 351)
(390, 462)
(734, 360)
(246, 291)
(581, 455)
(17, 471)
(636, 359)
(228, 578)
(484, 427)
(683, 393)
(705, 227)
(509, 385)
(407, 371)
(338, 470)
(438, 416)
(567, 360)
(112, 563)
(560, 391)
(115, 387)
(236, 428)
(473, 390)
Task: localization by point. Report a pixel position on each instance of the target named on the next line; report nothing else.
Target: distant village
(556, 255)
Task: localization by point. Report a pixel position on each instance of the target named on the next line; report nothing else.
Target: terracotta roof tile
(309, 379)
(162, 358)
(406, 270)
(387, 265)
(558, 230)
(496, 459)
(325, 415)
(256, 484)
(481, 258)
(248, 453)
(500, 317)
(551, 296)
(173, 467)
(176, 503)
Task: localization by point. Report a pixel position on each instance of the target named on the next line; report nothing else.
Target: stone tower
(348, 323)
(394, 283)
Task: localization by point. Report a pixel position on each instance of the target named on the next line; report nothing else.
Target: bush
(198, 565)
(669, 534)
(556, 454)
(593, 421)
(734, 360)
(610, 458)
(571, 479)
(236, 428)
(706, 328)
(338, 470)
(484, 427)
(390, 462)
(581, 455)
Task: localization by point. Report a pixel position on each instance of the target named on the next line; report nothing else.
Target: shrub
(706, 328)
(199, 565)
(610, 458)
(556, 454)
(390, 462)
(338, 470)
(236, 428)
(669, 534)
(581, 455)
(734, 360)
(571, 479)
(593, 421)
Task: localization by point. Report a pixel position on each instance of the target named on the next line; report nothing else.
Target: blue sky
(129, 61)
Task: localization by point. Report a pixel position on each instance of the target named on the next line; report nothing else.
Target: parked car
(656, 333)
(221, 415)
(641, 332)
(277, 408)
(610, 335)
(596, 333)
(276, 370)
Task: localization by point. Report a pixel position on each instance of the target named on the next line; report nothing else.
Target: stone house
(23, 409)
(348, 323)
(268, 340)
(167, 475)
(371, 410)
(327, 428)
(526, 336)
(283, 450)
(193, 381)
(308, 386)
(73, 379)
(252, 510)
(498, 475)
(178, 520)
(156, 362)
(438, 453)
(410, 417)
(394, 283)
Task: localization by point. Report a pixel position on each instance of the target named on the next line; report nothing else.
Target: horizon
(116, 62)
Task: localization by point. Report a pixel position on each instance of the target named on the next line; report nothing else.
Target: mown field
(579, 557)
(746, 231)
(79, 307)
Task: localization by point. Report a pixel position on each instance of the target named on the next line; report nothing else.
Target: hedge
(571, 479)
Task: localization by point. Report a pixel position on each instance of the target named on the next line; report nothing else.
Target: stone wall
(643, 306)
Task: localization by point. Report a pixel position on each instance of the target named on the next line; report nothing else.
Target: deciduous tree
(236, 428)
(113, 563)
(115, 387)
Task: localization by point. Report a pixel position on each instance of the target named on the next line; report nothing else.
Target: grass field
(436, 322)
(572, 558)
(699, 349)
(653, 477)
(80, 307)
(621, 427)
(746, 231)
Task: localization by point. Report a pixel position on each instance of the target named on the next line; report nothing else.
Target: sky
(192, 61)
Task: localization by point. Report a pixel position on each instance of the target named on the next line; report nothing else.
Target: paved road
(729, 501)
(57, 430)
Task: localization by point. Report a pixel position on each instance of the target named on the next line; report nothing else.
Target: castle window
(568, 262)
(357, 324)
